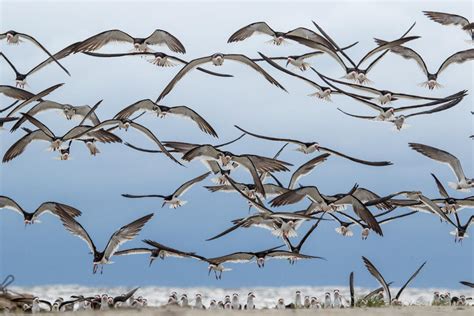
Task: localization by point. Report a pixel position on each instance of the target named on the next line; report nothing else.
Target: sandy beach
(387, 311)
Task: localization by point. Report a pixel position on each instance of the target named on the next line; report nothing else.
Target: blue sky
(47, 254)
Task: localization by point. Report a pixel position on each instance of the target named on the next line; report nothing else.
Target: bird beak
(151, 261)
(287, 62)
(162, 205)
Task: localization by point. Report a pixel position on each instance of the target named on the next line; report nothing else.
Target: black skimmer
(160, 59)
(69, 111)
(217, 59)
(344, 228)
(32, 98)
(323, 92)
(250, 305)
(384, 96)
(354, 72)
(408, 53)
(235, 305)
(451, 204)
(163, 111)
(125, 124)
(217, 264)
(327, 300)
(46, 207)
(44, 133)
(158, 251)
(329, 204)
(387, 113)
(463, 184)
(252, 163)
(280, 304)
(124, 234)
(15, 38)
(21, 77)
(278, 38)
(298, 61)
(173, 199)
(378, 276)
(311, 147)
(158, 37)
(452, 19)
(306, 169)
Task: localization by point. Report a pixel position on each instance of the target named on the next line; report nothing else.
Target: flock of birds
(222, 163)
(12, 301)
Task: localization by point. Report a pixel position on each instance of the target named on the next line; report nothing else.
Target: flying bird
(217, 59)
(124, 234)
(158, 37)
(69, 111)
(298, 61)
(451, 204)
(432, 83)
(46, 207)
(173, 199)
(463, 184)
(158, 251)
(160, 59)
(15, 38)
(378, 276)
(43, 133)
(354, 72)
(21, 77)
(311, 147)
(452, 19)
(163, 111)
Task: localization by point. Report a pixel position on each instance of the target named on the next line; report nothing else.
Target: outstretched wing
(163, 37)
(189, 113)
(248, 30)
(187, 185)
(97, 41)
(376, 274)
(457, 58)
(409, 280)
(75, 228)
(124, 234)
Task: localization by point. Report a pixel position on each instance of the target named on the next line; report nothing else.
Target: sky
(47, 254)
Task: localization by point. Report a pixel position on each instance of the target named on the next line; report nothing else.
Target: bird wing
(306, 168)
(409, 280)
(376, 274)
(169, 251)
(249, 165)
(34, 98)
(85, 110)
(133, 251)
(440, 186)
(19, 146)
(283, 254)
(187, 185)
(186, 112)
(53, 207)
(236, 257)
(365, 195)
(6, 202)
(152, 136)
(97, 41)
(294, 196)
(40, 107)
(247, 61)
(163, 37)
(387, 45)
(287, 140)
(363, 212)
(15, 93)
(310, 35)
(188, 67)
(435, 209)
(440, 156)
(34, 41)
(365, 117)
(142, 105)
(75, 228)
(39, 125)
(447, 18)
(364, 162)
(202, 152)
(248, 30)
(265, 164)
(407, 53)
(457, 58)
(124, 234)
